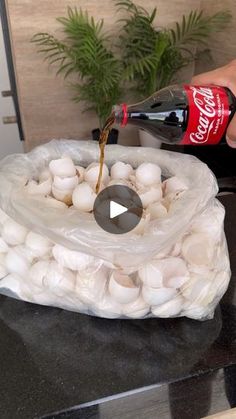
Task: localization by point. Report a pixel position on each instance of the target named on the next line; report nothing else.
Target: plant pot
(112, 137)
(148, 140)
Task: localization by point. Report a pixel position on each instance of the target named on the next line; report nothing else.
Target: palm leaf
(84, 52)
(148, 58)
(196, 28)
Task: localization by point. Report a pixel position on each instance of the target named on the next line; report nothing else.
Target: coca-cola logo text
(205, 102)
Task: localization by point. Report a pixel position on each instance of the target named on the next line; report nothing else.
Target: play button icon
(118, 209)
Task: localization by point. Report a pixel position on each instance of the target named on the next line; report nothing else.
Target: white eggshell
(198, 249)
(157, 296)
(13, 233)
(143, 224)
(44, 298)
(71, 302)
(167, 201)
(59, 280)
(2, 258)
(63, 167)
(196, 312)
(135, 184)
(164, 253)
(171, 272)
(121, 170)
(150, 195)
(95, 267)
(3, 270)
(3, 216)
(121, 182)
(210, 222)
(157, 210)
(101, 187)
(38, 272)
(72, 208)
(44, 175)
(91, 289)
(92, 171)
(221, 259)
(148, 174)
(24, 250)
(54, 203)
(137, 309)
(108, 264)
(151, 275)
(13, 283)
(43, 188)
(220, 283)
(107, 308)
(29, 291)
(170, 308)
(39, 245)
(176, 249)
(71, 259)
(65, 183)
(63, 195)
(122, 288)
(38, 295)
(18, 261)
(174, 185)
(80, 173)
(199, 290)
(200, 270)
(3, 246)
(176, 281)
(175, 272)
(83, 197)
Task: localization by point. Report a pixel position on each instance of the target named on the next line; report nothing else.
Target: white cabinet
(9, 134)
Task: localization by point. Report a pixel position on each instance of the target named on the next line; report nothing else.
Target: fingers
(226, 77)
(223, 76)
(231, 133)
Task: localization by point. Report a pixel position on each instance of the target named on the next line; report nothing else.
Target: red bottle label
(208, 115)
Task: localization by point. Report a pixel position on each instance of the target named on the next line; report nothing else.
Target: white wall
(9, 134)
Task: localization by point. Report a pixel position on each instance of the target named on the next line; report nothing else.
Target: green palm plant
(147, 58)
(152, 56)
(85, 51)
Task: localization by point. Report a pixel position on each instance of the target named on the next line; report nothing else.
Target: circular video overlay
(118, 209)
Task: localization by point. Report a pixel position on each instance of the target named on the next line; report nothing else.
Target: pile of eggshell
(66, 184)
(182, 280)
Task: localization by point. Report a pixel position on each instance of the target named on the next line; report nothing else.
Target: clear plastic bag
(179, 266)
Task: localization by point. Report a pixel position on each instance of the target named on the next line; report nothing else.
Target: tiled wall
(223, 45)
(46, 109)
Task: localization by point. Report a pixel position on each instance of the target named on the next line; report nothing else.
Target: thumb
(231, 133)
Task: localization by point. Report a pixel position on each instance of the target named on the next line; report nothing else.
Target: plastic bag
(178, 267)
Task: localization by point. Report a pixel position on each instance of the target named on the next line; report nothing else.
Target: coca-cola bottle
(186, 115)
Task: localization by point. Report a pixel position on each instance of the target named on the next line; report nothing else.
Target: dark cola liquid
(166, 113)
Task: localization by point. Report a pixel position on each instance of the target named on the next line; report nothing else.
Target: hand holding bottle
(197, 115)
(223, 76)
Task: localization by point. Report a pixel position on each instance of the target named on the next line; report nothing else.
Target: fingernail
(231, 143)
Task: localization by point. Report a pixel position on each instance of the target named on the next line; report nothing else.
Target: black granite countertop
(53, 360)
